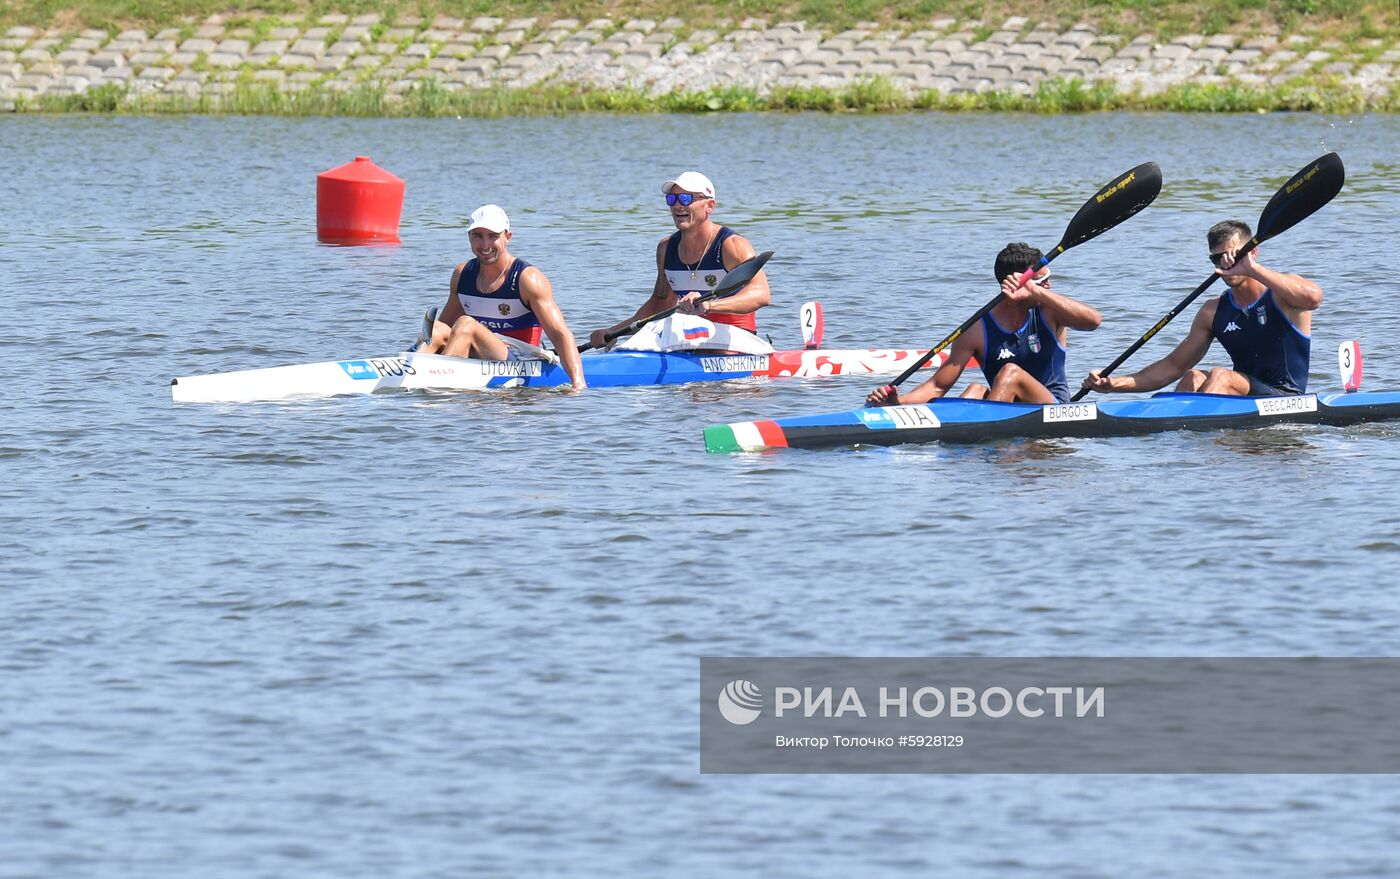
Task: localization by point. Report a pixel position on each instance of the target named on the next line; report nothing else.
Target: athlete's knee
(1009, 373)
(1224, 381)
(1009, 378)
(463, 324)
(975, 391)
(1191, 381)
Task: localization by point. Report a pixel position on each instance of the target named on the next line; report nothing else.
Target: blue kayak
(957, 420)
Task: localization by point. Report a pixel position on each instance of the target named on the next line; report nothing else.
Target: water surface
(458, 634)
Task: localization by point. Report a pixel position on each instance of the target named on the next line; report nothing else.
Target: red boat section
(772, 434)
(807, 364)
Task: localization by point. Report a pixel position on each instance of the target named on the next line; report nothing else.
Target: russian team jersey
(704, 276)
(502, 311)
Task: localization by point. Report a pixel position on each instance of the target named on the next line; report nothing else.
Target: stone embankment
(340, 53)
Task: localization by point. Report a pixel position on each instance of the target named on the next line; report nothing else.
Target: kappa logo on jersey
(1263, 317)
(1230, 327)
(1005, 353)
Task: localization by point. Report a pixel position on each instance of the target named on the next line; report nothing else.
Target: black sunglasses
(684, 198)
(1216, 259)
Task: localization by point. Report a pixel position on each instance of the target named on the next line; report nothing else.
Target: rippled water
(448, 635)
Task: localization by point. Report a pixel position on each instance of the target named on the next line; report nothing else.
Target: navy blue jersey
(701, 277)
(1262, 342)
(1034, 347)
(704, 276)
(502, 311)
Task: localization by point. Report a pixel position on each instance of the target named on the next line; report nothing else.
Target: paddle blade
(738, 277)
(1116, 202)
(1308, 190)
(1349, 364)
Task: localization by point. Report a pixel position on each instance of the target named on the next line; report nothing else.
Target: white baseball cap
(690, 181)
(490, 216)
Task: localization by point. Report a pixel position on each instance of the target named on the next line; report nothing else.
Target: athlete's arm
(755, 294)
(661, 298)
(1294, 294)
(1170, 368)
(942, 380)
(453, 309)
(538, 296)
(1064, 311)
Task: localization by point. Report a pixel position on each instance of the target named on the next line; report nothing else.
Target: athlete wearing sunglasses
(691, 261)
(1263, 321)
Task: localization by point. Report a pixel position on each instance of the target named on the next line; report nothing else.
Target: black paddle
(733, 281)
(1300, 197)
(1116, 202)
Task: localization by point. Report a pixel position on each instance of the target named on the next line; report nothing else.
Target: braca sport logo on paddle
(741, 702)
(1116, 187)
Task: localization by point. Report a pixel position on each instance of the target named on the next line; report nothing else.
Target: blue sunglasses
(684, 198)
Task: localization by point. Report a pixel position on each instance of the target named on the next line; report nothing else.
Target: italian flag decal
(744, 436)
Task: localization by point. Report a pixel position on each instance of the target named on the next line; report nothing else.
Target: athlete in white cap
(498, 293)
(691, 261)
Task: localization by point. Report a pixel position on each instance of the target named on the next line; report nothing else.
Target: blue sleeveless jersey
(1033, 347)
(1262, 342)
(704, 276)
(502, 311)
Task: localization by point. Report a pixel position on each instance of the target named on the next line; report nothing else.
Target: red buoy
(358, 203)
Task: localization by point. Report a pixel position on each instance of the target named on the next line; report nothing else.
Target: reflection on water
(1284, 440)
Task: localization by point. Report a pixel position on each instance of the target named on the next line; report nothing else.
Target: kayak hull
(952, 420)
(410, 371)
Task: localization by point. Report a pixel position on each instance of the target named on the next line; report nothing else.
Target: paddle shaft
(1166, 319)
(1111, 205)
(746, 270)
(660, 315)
(967, 324)
(1302, 196)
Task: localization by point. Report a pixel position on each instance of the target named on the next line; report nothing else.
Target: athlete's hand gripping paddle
(1298, 199)
(1116, 202)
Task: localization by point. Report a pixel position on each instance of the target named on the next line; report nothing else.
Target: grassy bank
(871, 95)
(1345, 20)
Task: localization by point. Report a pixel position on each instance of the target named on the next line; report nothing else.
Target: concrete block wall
(340, 53)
